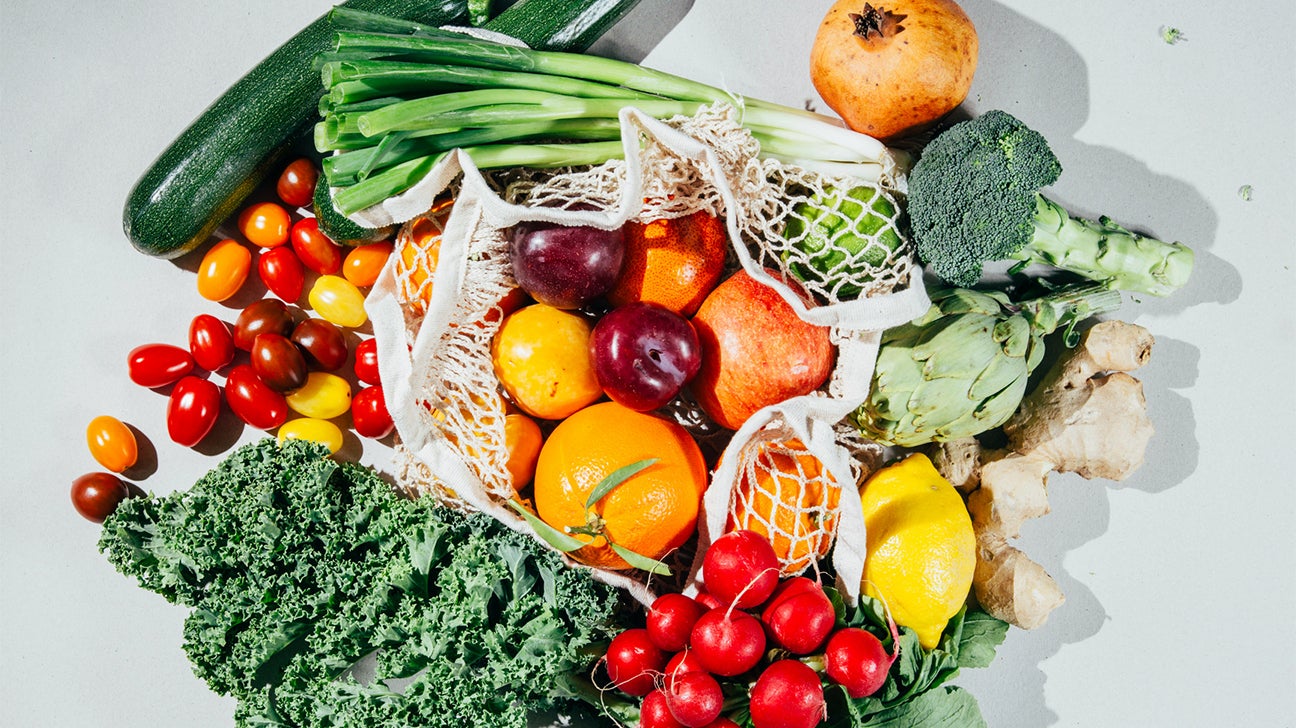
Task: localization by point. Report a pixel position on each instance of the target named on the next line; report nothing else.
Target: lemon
(921, 551)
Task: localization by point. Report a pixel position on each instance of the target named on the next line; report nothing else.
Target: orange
(672, 262)
(541, 357)
(522, 439)
(419, 252)
(651, 513)
(793, 502)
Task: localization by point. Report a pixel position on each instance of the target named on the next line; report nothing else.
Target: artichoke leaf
(1014, 334)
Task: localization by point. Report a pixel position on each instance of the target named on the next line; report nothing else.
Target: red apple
(755, 351)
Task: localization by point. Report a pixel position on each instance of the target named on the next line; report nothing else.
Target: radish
(741, 569)
(633, 662)
(728, 642)
(799, 616)
(722, 722)
(670, 620)
(856, 660)
(787, 695)
(695, 699)
(655, 713)
(681, 663)
(706, 600)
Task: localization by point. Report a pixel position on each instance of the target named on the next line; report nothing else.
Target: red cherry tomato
(96, 495)
(253, 400)
(157, 365)
(366, 361)
(296, 186)
(192, 410)
(112, 443)
(282, 273)
(210, 342)
(369, 413)
(322, 342)
(267, 316)
(278, 362)
(314, 248)
(265, 224)
(363, 263)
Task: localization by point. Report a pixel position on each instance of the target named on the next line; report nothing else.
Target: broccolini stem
(1104, 251)
(1069, 306)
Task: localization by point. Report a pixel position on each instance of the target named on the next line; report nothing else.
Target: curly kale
(297, 567)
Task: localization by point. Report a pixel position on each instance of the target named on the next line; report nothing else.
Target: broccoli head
(974, 197)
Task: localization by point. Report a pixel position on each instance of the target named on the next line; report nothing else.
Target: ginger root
(1087, 416)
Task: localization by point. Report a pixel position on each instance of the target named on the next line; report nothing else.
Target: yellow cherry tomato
(223, 270)
(338, 301)
(112, 443)
(364, 263)
(309, 428)
(265, 224)
(323, 396)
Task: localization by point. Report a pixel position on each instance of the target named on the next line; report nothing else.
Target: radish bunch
(748, 638)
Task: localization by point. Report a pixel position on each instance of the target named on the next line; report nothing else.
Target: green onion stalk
(400, 96)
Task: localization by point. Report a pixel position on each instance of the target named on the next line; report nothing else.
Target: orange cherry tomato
(112, 443)
(265, 224)
(364, 263)
(223, 270)
(296, 185)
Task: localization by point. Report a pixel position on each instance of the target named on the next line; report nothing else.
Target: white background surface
(1179, 581)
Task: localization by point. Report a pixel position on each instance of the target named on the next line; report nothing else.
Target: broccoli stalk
(973, 198)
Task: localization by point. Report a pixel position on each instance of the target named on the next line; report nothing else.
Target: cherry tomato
(366, 361)
(296, 186)
(314, 248)
(223, 270)
(96, 495)
(309, 428)
(210, 342)
(265, 224)
(192, 410)
(112, 443)
(157, 365)
(282, 273)
(336, 300)
(278, 362)
(267, 316)
(324, 396)
(252, 400)
(363, 264)
(369, 413)
(322, 343)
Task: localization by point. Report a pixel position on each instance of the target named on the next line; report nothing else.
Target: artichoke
(961, 368)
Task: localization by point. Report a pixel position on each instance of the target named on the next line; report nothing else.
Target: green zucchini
(211, 168)
(560, 25)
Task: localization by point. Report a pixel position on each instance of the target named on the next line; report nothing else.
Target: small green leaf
(639, 561)
(551, 535)
(615, 478)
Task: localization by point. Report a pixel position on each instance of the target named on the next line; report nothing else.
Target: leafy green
(296, 567)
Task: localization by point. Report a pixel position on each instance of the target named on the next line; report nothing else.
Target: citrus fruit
(792, 501)
(541, 357)
(522, 439)
(921, 550)
(418, 251)
(673, 262)
(651, 513)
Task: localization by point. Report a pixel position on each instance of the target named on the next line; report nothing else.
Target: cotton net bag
(436, 310)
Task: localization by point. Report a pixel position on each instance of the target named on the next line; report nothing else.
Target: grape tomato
(369, 415)
(296, 185)
(267, 316)
(112, 443)
(252, 400)
(96, 495)
(324, 396)
(265, 224)
(366, 361)
(192, 410)
(314, 249)
(316, 430)
(336, 300)
(157, 365)
(223, 270)
(278, 362)
(322, 343)
(363, 264)
(210, 342)
(282, 273)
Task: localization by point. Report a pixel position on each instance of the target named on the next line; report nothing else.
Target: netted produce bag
(828, 245)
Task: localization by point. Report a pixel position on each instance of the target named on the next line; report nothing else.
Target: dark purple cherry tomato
(252, 400)
(296, 185)
(314, 248)
(267, 316)
(210, 342)
(322, 343)
(157, 365)
(278, 362)
(282, 273)
(192, 410)
(366, 361)
(369, 413)
(96, 495)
